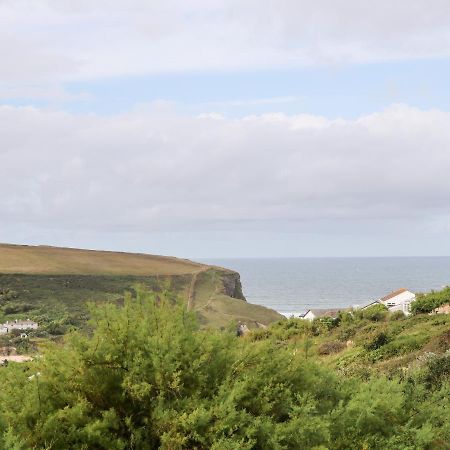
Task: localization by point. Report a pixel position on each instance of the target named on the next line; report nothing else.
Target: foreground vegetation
(148, 377)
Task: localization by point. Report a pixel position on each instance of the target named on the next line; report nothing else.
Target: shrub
(324, 324)
(397, 315)
(17, 308)
(328, 348)
(437, 369)
(377, 340)
(425, 303)
(375, 313)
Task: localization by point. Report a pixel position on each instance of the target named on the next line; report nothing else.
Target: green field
(43, 260)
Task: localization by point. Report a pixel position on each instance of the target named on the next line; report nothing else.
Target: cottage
(443, 309)
(312, 314)
(399, 300)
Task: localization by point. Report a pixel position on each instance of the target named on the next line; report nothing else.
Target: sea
(291, 286)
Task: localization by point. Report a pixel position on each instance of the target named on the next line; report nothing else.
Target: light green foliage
(425, 303)
(375, 313)
(149, 378)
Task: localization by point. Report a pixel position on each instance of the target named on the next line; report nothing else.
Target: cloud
(157, 170)
(57, 40)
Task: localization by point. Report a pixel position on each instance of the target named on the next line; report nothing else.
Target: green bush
(397, 315)
(377, 340)
(375, 313)
(425, 303)
(437, 370)
(328, 348)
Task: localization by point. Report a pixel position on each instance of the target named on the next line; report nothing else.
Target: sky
(225, 128)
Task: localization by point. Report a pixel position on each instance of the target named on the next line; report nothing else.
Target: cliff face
(232, 285)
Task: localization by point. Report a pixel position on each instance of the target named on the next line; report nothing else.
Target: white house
(18, 325)
(399, 300)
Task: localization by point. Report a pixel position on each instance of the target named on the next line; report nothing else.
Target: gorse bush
(148, 378)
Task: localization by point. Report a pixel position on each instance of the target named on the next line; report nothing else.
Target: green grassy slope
(392, 345)
(216, 308)
(53, 285)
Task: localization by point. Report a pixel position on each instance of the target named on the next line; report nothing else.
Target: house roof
(393, 294)
(324, 312)
(376, 302)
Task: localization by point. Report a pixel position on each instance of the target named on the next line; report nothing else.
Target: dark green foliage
(59, 302)
(286, 329)
(328, 348)
(375, 313)
(6, 295)
(397, 315)
(148, 378)
(437, 370)
(377, 340)
(322, 324)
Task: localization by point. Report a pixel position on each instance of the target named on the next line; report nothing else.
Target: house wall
(400, 302)
(309, 316)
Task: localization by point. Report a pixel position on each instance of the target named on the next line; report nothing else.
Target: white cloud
(155, 169)
(57, 40)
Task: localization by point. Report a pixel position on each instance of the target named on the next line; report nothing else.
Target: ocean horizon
(294, 285)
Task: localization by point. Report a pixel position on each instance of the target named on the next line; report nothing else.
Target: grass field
(43, 260)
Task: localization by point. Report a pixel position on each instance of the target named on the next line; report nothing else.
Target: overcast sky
(203, 128)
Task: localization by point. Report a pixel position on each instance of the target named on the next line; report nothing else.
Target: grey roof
(324, 312)
(375, 302)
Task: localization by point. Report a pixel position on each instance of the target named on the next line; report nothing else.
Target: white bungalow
(18, 325)
(399, 300)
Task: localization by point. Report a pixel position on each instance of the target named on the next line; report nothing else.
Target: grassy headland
(53, 286)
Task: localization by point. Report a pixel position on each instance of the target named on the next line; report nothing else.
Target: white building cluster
(8, 326)
(399, 300)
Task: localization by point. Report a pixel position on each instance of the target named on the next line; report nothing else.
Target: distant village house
(399, 300)
(28, 324)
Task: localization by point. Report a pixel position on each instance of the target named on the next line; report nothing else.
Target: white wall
(400, 302)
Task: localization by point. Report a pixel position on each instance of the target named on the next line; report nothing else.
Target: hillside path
(191, 294)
